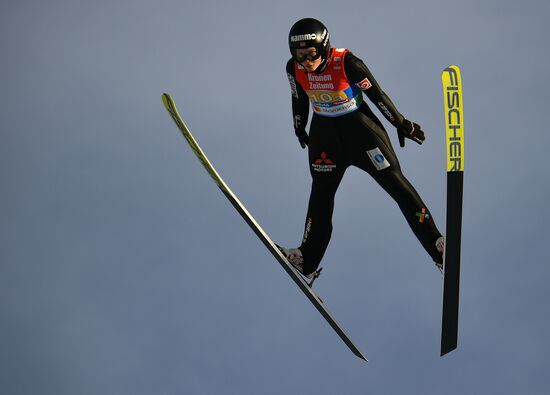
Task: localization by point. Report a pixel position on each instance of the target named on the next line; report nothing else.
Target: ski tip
(169, 103)
(453, 67)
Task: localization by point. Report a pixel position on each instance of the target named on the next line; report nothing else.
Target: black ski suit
(356, 138)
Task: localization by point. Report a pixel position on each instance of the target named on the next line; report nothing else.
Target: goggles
(300, 54)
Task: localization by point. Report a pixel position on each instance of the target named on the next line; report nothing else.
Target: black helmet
(309, 32)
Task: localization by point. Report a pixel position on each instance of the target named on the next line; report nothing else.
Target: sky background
(124, 270)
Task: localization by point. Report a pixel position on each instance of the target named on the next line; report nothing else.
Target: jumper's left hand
(410, 130)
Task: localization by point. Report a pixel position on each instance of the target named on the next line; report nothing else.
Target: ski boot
(296, 259)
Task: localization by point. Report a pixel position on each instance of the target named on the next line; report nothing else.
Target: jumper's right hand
(303, 138)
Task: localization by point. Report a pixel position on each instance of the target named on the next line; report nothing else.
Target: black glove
(410, 130)
(303, 138)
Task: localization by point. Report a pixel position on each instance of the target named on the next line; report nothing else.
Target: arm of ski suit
(300, 105)
(359, 74)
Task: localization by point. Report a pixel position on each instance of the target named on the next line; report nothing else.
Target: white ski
(298, 279)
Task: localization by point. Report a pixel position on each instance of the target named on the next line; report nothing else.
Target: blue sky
(123, 269)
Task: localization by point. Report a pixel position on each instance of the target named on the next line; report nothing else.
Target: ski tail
(454, 125)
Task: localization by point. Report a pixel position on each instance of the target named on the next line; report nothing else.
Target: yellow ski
(454, 126)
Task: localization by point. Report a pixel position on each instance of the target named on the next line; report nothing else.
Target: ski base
(451, 269)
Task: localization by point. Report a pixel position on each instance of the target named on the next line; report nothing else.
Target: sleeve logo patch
(293, 88)
(364, 84)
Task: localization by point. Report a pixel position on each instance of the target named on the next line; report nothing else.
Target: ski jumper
(344, 132)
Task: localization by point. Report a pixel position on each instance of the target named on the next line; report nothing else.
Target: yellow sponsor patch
(327, 97)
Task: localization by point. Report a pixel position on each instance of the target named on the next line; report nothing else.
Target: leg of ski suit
(335, 144)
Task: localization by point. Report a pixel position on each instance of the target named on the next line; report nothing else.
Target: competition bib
(330, 92)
